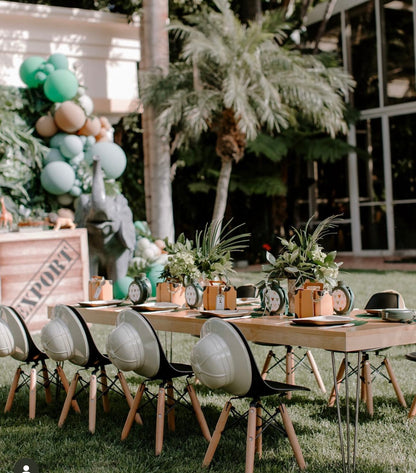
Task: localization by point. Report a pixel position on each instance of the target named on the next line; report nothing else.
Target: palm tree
(237, 80)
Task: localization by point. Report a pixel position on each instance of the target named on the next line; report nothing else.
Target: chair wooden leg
(251, 438)
(106, 399)
(132, 412)
(46, 383)
(368, 387)
(32, 393)
(267, 364)
(68, 400)
(12, 390)
(198, 412)
(65, 384)
(290, 369)
(259, 436)
(291, 434)
(363, 395)
(340, 375)
(92, 411)
(160, 419)
(216, 436)
(394, 382)
(412, 411)
(129, 397)
(315, 371)
(170, 401)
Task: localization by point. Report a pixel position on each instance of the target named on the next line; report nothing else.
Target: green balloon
(28, 70)
(60, 86)
(113, 158)
(57, 177)
(56, 140)
(58, 60)
(53, 155)
(71, 146)
(121, 287)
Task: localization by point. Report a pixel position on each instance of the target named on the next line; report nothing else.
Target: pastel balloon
(58, 60)
(76, 191)
(46, 126)
(69, 117)
(54, 155)
(87, 104)
(60, 86)
(56, 140)
(91, 127)
(65, 199)
(57, 177)
(113, 158)
(28, 70)
(71, 145)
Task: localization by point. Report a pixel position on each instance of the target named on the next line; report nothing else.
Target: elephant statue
(111, 232)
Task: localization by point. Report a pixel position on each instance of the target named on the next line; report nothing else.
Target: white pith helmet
(6, 339)
(220, 358)
(132, 345)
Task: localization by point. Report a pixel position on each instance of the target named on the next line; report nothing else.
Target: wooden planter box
(43, 268)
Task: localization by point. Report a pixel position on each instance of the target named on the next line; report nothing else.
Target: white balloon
(87, 104)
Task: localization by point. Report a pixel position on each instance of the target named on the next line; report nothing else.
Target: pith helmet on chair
(132, 345)
(220, 359)
(63, 338)
(6, 339)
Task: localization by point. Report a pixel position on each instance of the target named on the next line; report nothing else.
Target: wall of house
(103, 50)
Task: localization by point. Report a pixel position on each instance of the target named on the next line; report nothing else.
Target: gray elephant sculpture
(109, 222)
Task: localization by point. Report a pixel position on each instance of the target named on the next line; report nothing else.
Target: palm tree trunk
(158, 189)
(222, 190)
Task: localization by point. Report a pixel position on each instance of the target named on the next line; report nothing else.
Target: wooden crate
(42, 268)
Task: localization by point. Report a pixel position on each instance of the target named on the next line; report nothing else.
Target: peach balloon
(102, 135)
(69, 117)
(92, 127)
(46, 126)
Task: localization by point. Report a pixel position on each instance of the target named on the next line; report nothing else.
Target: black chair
(134, 346)
(222, 359)
(23, 349)
(376, 303)
(68, 338)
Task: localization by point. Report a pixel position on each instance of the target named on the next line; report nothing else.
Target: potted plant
(303, 258)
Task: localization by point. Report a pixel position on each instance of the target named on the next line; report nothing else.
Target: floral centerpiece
(206, 258)
(302, 257)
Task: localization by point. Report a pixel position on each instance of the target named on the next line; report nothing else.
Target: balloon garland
(73, 133)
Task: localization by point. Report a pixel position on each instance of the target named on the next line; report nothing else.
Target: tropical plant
(206, 258)
(303, 258)
(235, 81)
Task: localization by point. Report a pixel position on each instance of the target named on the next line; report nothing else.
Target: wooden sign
(42, 268)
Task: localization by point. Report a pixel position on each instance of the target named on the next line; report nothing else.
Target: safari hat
(388, 299)
(6, 339)
(17, 329)
(220, 358)
(64, 337)
(133, 346)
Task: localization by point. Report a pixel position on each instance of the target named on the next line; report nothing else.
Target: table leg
(346, 450)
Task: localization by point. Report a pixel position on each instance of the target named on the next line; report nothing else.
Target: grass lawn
(386, 442)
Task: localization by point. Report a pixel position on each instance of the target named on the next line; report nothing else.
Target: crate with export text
(43, 268)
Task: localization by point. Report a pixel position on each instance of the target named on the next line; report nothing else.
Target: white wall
(103, 50)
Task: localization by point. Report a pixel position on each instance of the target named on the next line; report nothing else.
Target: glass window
(405, 226)
(398, 51)
(370, 161)
(363, 55)
(403, 152)
(373, 228)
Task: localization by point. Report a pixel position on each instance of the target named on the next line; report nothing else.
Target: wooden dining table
(349, 339)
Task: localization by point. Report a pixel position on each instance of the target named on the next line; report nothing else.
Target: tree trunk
(222, 190)
(158, 189)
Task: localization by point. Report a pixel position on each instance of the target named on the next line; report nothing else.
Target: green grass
(386, 441)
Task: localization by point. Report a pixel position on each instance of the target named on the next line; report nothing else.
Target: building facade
(375, 186)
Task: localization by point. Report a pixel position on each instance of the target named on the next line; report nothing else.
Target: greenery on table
(385, 442)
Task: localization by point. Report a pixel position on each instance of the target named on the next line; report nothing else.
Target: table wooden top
(375, 333)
